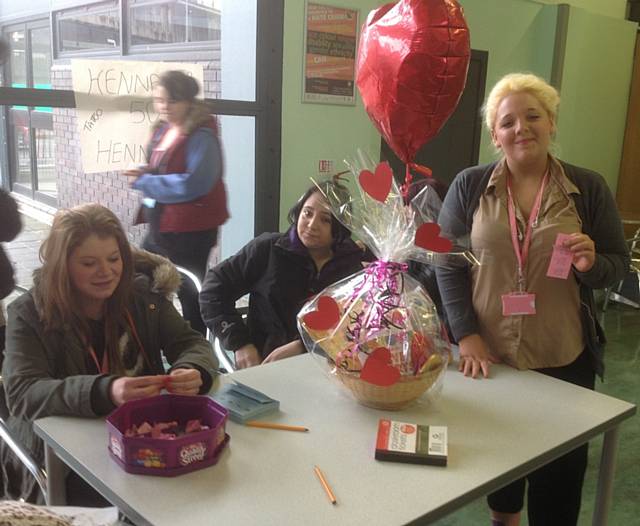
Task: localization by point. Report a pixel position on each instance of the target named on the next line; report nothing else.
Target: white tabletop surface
(499, 429)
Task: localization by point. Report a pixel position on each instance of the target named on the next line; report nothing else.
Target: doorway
(30, 135)
(457, 145)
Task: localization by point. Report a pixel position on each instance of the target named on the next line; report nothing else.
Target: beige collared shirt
(553, 336)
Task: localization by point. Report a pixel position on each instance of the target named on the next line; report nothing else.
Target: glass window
(238, 140)
(18, 62)
(20, 140)
(169, 22)
(94, 27)
(157, 23)
(30, 131)
(46, 161)
(226, 29)
(203, 21)
(237, 77)
(41, 58)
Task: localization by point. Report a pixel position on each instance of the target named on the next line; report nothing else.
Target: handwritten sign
(114, 109)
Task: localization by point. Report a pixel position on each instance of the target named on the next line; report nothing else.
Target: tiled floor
(23, 251)
(622, 380)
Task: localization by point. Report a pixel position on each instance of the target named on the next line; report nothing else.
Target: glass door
(30, 129)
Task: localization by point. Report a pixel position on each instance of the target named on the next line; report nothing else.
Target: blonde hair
(546, 95)
(55, 294)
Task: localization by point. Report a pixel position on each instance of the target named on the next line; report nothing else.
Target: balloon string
(404, 188)
(424, 170)
(408, 178)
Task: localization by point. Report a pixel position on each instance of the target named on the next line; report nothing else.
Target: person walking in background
(525, 214)
(185, 198)
(280, 272)
(90, 336)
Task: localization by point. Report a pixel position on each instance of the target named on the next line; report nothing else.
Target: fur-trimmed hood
(151, 270)
(158, 271)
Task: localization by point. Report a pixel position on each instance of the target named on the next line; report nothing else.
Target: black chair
(24, 456)
(224, 358)
(16, 447)
(627, 291)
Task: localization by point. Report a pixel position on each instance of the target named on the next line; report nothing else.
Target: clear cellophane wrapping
(382, 306)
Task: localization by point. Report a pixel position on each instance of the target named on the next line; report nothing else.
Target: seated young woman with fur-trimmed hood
(91, 333)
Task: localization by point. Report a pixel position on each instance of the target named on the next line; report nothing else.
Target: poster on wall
(114, 109)
(330, 44)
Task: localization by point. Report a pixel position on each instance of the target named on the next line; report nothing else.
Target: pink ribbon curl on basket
(381, 290)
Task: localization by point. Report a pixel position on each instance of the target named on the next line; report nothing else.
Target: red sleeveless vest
(206, 212)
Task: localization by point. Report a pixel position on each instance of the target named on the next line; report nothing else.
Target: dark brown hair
(179, 85)
(339, 232)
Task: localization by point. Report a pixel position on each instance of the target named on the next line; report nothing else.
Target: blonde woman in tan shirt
(528, 215)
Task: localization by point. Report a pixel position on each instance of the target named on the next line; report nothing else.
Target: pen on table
(273, 425)
(325, 485)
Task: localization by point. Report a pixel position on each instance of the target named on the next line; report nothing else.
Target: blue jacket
(203, 170)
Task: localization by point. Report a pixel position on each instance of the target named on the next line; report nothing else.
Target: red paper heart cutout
(378, 370)
(428, 237)
(412, 68)
(325, 317)
(378, 184)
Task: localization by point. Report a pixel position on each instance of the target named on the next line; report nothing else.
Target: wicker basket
(394, 397)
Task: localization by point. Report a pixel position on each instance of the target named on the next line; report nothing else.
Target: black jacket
(10, 226)
(279, 276)
(600, 221)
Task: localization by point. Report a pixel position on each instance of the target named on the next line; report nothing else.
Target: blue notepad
(244, 403)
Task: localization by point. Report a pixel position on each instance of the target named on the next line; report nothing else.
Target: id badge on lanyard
(103, 368)
(521, 302)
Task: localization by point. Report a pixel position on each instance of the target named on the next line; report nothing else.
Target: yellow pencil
(273, 425)
(325, 485)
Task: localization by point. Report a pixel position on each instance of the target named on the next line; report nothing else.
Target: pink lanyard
(523, 253)
(104, 369)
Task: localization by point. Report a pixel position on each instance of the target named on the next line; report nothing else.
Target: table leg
(56, 475)
(605, 477)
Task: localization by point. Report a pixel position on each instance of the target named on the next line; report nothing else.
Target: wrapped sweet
(378, 331)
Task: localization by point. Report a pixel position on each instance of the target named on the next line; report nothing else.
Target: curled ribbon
(381, 289)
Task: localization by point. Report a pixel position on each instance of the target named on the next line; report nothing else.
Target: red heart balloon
(378, 184)
(412, 67)
(325, 317)
(428, 237)
(378, 370)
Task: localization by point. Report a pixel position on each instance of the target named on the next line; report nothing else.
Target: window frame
(29, 97)
(162, 47)
(93, 8)
(266, 109)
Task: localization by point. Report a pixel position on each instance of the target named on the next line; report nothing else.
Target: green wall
(612, 8)
(311, 132)
(595, 91)
(519, 36)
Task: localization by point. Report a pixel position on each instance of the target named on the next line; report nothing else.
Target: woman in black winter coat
(10, 226)
(280, 272)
